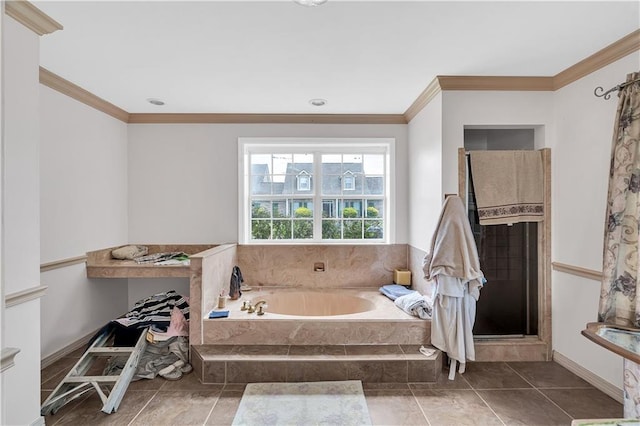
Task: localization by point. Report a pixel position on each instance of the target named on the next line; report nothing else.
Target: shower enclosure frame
(528, 348)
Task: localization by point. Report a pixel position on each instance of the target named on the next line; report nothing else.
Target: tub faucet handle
(246, 305)
(257, 307)
(261, 309)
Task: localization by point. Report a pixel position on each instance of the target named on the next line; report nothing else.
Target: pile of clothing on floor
(164, 317)
(410, 301)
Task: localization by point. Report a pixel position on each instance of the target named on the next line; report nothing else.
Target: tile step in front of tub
(307, 363)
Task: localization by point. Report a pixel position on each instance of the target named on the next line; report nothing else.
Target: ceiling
(363, 57)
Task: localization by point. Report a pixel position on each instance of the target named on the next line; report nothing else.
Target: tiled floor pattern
(500, 393)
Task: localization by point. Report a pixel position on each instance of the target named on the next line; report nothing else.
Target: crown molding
(423, 99)
(66, 87)
(31, 17)
(600, 59)
(139, 118)
(454, 82)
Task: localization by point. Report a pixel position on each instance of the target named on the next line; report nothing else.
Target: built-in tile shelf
(100, 264)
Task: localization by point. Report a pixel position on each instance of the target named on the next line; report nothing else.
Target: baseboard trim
(83, 341)
(597, 381)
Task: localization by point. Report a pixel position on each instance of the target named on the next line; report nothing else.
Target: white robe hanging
(454, 266)
(454, 313)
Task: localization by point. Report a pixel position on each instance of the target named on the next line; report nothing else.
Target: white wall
(435, 135)
(183, 182)
(83, 177)
(425, 173)
(580, 161)
(489, 108)
(21, 192)
(83, 180)
(183, 178)
(578, 128)
(21, 236)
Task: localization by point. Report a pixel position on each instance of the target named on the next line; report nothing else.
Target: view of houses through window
(317, 195)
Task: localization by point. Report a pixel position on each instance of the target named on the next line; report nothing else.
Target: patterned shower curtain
(620, 280)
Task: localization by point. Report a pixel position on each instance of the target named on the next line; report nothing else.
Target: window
(304, 181)
(314, 190)
(349, 181)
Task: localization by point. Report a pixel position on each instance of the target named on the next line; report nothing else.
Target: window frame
(317, 146)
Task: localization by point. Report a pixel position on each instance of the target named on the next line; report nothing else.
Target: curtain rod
(607, 94)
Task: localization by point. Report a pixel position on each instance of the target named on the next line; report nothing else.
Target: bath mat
(307, 403)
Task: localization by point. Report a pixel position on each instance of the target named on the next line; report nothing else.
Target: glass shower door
(508, 303)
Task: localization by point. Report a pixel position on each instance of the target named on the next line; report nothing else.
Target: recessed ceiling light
(310, 2)
(318, 102)
(154, 101)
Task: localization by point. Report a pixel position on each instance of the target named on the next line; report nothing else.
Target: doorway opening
(508, 306)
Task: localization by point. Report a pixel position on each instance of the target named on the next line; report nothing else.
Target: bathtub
(314, 303)
(297, 316)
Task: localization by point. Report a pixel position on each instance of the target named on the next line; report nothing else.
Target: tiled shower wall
(344, 265)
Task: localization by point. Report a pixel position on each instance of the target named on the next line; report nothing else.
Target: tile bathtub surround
(344, 265)
(560, 398)
(418, 282)
(385, 324)
(283, 363)
(210, 272)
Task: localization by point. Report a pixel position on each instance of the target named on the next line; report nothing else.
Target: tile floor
(500, 393)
